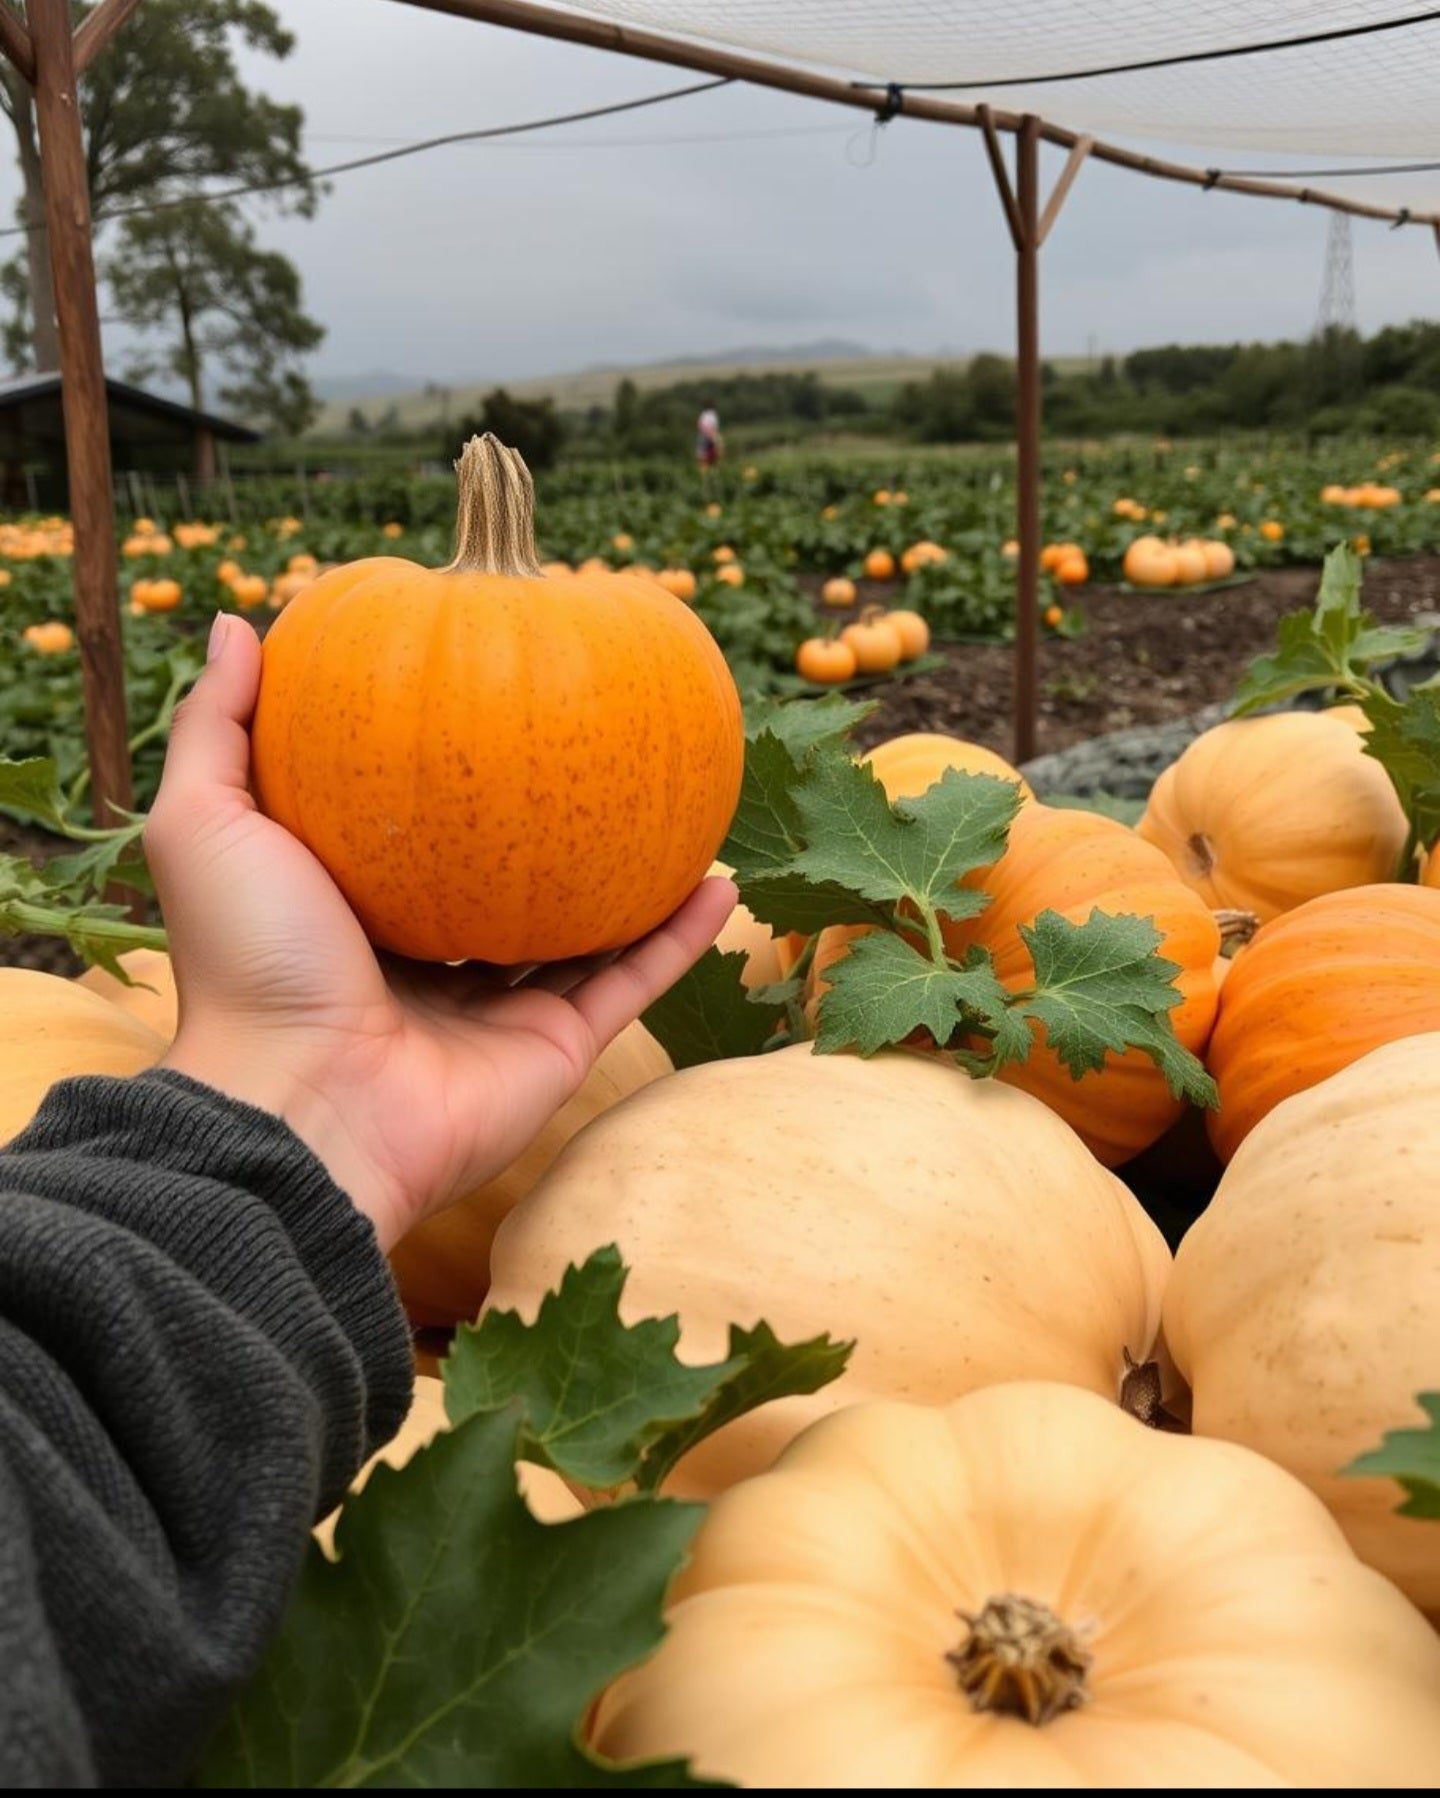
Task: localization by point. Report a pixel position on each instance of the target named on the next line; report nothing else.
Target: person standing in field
(708, 443)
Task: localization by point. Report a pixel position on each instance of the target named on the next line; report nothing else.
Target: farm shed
(148, 435)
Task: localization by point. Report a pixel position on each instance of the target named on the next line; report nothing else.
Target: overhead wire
(1180, 59)
(313, 176)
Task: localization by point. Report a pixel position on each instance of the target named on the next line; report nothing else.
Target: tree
(164, 110)
(531, 426)
(192, 274)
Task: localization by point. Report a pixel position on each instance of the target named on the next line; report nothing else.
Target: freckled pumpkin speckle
(493, 764)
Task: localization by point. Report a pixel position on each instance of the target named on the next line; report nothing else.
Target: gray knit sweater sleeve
(199, 1344)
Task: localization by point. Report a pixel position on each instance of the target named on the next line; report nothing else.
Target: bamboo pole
(653, 46)
(87, 425)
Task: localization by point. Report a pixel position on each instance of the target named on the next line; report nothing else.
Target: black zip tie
(894, 102)
(1402, 217)
(1211, 177)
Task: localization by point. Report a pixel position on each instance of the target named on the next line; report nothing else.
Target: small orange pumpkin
(880, 565)
(906, 766)
(877, 648)
(1149, 562)
(838, 592)
(1314, 991)
(490, 764)
(913, 632)
(825, 660)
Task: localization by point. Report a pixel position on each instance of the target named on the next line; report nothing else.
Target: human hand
(413, 1083)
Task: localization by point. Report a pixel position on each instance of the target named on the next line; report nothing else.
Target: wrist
(288, 1087)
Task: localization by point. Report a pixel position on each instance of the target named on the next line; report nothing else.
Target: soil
(1140, 659)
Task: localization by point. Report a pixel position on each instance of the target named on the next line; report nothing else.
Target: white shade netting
(1244, 84)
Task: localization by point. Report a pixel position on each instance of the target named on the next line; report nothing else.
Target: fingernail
(218, 632)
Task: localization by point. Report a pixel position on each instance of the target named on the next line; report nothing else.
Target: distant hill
(834, 360)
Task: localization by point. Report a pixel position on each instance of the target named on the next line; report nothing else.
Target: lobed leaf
(884, 989)
(709, 1016)
(1101, 988)
(456, 1642)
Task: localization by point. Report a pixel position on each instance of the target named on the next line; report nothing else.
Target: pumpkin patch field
(980, 1327)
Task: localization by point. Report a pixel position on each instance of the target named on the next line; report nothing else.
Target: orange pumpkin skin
(825, 661)
(1265, 813)
(1314, 991)
(907, 765)
(506, 768)
(1074, 863)
(913, 632)
(876, 647)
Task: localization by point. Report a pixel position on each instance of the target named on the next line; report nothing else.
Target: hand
(413, 1083)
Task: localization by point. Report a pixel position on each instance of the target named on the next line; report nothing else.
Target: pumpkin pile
(1152, 561)
(876, 643)
(1092, 1502)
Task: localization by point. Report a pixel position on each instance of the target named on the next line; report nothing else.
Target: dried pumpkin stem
(494, 512)
(1237, 926)
(1020, 1660)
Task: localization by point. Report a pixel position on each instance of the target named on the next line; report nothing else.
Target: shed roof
(128, 406)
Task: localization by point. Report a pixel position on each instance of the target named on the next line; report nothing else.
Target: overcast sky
(733, 218)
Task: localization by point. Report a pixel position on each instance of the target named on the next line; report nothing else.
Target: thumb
(207, 762)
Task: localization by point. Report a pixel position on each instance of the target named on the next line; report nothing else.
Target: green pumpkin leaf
(803, 725)
(1405, 739)
(32, 786)
(457, 1641)
(1101, 987)
(1412, 1458)
(883, 989)
(765, 831)
(606, 1402)
(709, 1016)
(917, 849)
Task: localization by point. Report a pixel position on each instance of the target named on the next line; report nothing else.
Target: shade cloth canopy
(1243, 84)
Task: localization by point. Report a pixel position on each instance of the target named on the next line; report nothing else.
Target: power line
(413, 149)
(1260, 48)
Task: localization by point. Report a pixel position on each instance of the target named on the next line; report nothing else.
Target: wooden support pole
(97, 28)
(87, 424)
(15, 41)
(1027, 436)
(1079, 151)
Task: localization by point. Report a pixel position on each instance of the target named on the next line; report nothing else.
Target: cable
(1379, 168)
(365, 162)
(1169, 62)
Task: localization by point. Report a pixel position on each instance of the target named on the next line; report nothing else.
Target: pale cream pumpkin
(549, 1498)
(1304, 1309)
(53, 1028)
(1026, 1588)
(906, 766)
(443, 1267)
(957, 1229)
(1261, 814)
(152, 998)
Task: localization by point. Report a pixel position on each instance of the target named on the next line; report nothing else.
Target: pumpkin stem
(495, 511)
(1019, 1660)
(1141, 1396)
(1237, 926)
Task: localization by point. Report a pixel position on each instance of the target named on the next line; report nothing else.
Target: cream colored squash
(1305, 1305)
(842, 1619)
(52, 1028)
(957, 1229)
(443, 1267)
(152, 999)
(547, 1495)
(1260, 814)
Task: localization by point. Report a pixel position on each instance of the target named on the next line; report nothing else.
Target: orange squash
(880, 565)
(494, 765)
(876, 647)
(825, 660)
(838, 592)
(1261, 814)
(1150, 563)
(1075, 862)
(1314, 991)
(905, 766)
(913, 632)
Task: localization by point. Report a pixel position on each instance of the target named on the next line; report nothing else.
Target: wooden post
(87, 425)
(1027, 436)
(204, 454)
